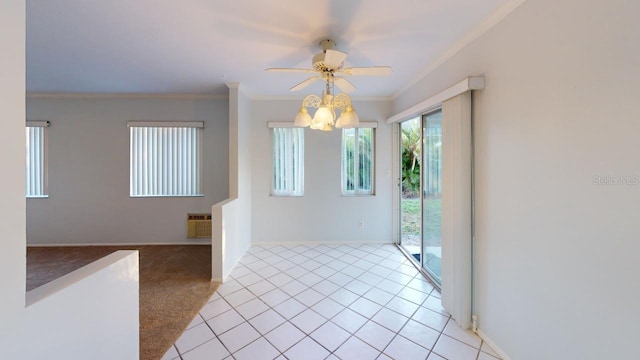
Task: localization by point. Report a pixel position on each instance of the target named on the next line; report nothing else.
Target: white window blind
(358, 161)
(166, 158)
(288, 162)
(36, 171)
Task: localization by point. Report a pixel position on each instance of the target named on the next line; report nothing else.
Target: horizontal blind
(165, 161)
(35, 161)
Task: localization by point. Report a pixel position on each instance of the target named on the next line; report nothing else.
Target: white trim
(465, 40)
(194, 124)
(470, 83)
(493, 345)
(204, 242)
(71, 95)
(38, 123)
(396, 176)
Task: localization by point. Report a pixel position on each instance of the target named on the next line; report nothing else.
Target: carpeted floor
(174, 285)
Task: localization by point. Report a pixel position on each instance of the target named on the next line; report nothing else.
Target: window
(36, 167)
(165, 158)
(288, 161)
(358, 161)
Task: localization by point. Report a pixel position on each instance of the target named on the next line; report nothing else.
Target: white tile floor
(326, 302)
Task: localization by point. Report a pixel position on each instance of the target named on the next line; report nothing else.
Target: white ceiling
(196, 46)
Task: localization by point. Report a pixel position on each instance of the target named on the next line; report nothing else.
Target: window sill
(37, 196)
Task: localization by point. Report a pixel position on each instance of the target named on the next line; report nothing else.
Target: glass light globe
(303, 118)
(323, 116)
(348, 119)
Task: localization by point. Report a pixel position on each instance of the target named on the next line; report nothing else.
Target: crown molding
(470, 37)
(68, 95)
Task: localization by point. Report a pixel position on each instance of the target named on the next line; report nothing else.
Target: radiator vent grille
(198, 226)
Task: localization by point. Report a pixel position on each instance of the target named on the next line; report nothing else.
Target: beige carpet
(174, 285)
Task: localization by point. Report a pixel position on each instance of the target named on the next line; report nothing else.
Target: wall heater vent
(198, 226)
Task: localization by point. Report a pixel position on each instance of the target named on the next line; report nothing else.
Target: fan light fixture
(325, 116)
(329, 66)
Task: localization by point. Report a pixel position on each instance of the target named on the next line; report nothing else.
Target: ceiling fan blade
(305, 83)
(290, 70)
(368, 71)
(344, 84)
(334, 58)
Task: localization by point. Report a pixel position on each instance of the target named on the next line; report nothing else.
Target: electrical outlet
(361, 223)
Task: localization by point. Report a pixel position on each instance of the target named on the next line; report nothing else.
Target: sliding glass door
(432, 194)
(410, 208)
(421, 191)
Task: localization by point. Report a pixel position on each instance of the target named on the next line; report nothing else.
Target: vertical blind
(288, 161)
(457, 209)
(35, 161)
(357, 161)
(165, 159)
(433, 160)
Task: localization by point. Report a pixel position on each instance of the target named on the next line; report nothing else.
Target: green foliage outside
(411, 159)
(432, 220)
(365, 137)
(411, 164)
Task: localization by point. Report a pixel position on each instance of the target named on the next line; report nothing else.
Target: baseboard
(120, 244)
(319, 243)
(493, 345)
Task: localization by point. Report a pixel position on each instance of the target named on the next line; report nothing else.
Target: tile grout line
(370, 286)
(311, 287)
(309, 307)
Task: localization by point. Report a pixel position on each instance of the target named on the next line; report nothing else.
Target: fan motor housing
(318, 64)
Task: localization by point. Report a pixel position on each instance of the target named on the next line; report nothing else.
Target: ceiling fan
(329, 66)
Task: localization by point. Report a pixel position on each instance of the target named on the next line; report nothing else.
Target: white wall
(71, 317)
(322, 214)
(91, 313)
(89, 199)
(231, 218)
(556, 256)
(12, 206)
